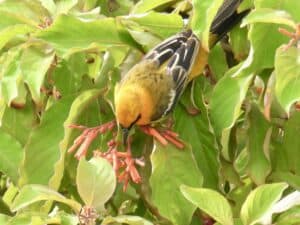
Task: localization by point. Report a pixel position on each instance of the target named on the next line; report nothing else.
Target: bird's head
(133, 106)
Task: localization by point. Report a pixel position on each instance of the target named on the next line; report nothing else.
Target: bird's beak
(125, 135)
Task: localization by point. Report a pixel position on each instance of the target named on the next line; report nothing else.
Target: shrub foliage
(59, 62)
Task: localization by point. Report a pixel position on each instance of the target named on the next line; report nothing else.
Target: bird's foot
(164, 136)
(83, 141)
(123, 164)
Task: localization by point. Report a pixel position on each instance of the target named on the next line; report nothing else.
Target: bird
(151, 89)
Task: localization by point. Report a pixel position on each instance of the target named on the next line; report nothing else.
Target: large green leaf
(146, 5)
(56, 8)
(211, 202)
(76, 111)
(287, 72)
(32, 13)
(290, 6)
(9, 19)
(171, 168)
(42, 149)
(217, 62)
(69, 33)
(126, 219)
(260, 201)
(195, 130)
(289, 201)
(4, 219)
(285, 156)
(290, 217)
(19, 122)
(267, 15)
(259, 134)
(35, 62)
(33, 193)
(264, 51)
(227, 98)
(239, 42)
(10, 155)
(203, 16)
(96, 181)
(11, 77)
(12, 31)
(161, 24)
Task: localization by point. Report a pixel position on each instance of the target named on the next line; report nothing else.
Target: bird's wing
(180, 66)
(164, 51)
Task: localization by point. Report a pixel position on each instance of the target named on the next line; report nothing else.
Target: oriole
(151, 89)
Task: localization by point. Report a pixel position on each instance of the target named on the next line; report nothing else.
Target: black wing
(164, 51)
(227, 16)
(179, 51)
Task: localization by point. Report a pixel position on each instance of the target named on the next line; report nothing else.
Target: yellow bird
(151, 89)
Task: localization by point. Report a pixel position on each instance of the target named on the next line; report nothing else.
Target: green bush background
(242, 150)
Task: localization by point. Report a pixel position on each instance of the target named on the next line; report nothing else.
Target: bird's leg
(164, 136)
(83, 141)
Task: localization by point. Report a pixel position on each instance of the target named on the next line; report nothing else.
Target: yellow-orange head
(133, 104)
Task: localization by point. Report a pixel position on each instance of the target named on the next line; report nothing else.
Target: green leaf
(147, 5)
(161, 24)
(12, 31)
(126, 219)
(42, 149)
(195, 130)
(290, 217)
(290, 6)
(96, 181)
(147, 40)
(56, 8)
(239, 43)
(259, 134)
(79, 110)
(11, 76)
(100, 34)
(264, 51)
(227, 98)
(9, 19)
(211, 202)
(19, 122)
(35, 62)
(34, 193)
(266, 15)
(203, 16)
(260, 201)
(11, 154)
(289, 201)
(217, 62)
(4, 219)
(171, 168)
(32, 13)
(285, 156)
(290, 144)
(287, 72)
